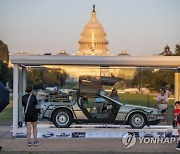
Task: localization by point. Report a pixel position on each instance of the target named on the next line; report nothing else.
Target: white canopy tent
(21, 62)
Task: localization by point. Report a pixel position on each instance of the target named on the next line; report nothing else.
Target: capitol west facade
(93, 38)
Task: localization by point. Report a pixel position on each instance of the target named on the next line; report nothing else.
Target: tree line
(177, 50)
(154, 79)
(41, 78)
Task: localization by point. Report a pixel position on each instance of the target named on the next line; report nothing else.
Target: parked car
(76, 110)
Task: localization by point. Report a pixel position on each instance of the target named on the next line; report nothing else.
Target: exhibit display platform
(48, 130)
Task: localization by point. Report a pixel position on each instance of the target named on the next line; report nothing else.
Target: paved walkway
(80, 146)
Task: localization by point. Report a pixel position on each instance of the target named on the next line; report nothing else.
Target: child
(176, 112)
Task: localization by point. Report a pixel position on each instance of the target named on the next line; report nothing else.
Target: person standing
(176, 114)
(99, 101)
(162, 101)
(29, 103)
(114, 95)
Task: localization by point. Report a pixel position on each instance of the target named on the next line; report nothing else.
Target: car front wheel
(62, 118)
(137, 120)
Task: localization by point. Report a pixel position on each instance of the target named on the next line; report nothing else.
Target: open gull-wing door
(91, 84)
(4, 96)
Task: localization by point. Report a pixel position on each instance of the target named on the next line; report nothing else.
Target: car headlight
(160, 117)
(152, 116)
(51, 107)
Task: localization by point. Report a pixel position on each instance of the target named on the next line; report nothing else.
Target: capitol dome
(93, 38)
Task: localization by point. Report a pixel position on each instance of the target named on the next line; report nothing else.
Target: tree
(4, 72)
(163, 78)
(50, 78)
(177, 50)
(54, 77)
(4, 53)
(153, 79)
(142, 78)
(34, 77)
(41, 78)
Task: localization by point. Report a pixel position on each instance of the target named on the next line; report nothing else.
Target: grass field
(135, 99)
(7, 114)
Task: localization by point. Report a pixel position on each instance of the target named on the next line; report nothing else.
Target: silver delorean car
(73, 108)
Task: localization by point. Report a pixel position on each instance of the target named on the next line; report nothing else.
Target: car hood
(132, 107)
(139, 107)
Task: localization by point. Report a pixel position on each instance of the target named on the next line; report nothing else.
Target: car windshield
(89, 102)
(110, 99)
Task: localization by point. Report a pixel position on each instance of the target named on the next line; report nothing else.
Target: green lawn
(6, 115)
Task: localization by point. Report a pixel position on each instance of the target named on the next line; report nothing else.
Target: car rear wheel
(62, 118)
(137, 120)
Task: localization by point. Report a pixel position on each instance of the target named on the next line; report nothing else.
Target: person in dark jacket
(31, 115)
(114, 95)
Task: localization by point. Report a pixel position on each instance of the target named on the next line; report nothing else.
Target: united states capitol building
(93, 38)
(93, 41)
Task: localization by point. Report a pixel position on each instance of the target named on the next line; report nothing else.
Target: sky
(140, 27)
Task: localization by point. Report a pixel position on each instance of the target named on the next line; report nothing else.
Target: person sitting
(99, 101)
(115, 107)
